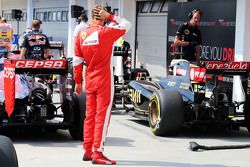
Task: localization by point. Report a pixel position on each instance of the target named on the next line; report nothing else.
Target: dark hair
(95, 12)
(191, 14)
(36, 23)
(84, 16)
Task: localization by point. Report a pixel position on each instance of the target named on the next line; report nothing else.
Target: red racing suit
(94, 45)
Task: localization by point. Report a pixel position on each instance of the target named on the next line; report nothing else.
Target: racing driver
(94, 46)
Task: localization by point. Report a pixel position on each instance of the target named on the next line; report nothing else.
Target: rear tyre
(79, 109)
(247, 114)
(166, 113)
(8, 157)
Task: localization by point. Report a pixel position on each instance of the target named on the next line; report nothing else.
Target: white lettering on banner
(227, 65)
(9, 72)
(215, 53)
(40, 64)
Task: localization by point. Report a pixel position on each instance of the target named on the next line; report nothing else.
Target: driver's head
(97, 14)
(36, 24)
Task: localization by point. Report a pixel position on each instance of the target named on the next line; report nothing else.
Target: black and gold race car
(193, 95)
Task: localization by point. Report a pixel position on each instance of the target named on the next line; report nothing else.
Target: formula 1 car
(192, 95)
(28, 101)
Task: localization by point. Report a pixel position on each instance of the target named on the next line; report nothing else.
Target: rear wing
(40, 66)
(227, 68)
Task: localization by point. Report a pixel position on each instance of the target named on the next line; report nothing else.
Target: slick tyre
(247, 114)
(79, 110)
(166, 113)
(8, 157)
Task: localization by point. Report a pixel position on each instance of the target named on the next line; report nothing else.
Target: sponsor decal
(184, 85)
(56, 64)
(9, 72)
(181, 72)
(199, 89)
(198, 74)
(170, 83)
(9, 86)
(135, 95)
(186, 31)
(83, 35)
(212, 65)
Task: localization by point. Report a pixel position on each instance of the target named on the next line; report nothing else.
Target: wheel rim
(154, 113)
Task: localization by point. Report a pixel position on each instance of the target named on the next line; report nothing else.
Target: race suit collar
(96, 24)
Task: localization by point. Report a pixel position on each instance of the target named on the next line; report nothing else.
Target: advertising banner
(217, 27)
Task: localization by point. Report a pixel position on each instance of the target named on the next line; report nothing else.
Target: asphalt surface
(132, 144)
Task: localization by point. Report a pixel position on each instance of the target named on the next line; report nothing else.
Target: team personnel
(83, 24)
(35, 44)
(188, 37)
(6, 35)
(94, 45)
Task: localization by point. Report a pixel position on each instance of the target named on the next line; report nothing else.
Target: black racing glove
(193, 43)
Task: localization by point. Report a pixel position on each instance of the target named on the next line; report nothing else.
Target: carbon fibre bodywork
(140, 91)
(207, 92)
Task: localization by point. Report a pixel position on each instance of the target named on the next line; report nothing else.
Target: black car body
(192, 95)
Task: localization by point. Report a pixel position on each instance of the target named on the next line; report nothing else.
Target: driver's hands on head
(101, 13)
(78, 89)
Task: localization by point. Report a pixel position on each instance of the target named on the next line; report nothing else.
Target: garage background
(158, 21)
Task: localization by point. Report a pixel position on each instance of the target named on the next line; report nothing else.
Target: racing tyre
(247, 114)
(166, 113)
(79, 108)
(8, 157)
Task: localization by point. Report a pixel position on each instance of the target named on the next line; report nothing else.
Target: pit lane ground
(132, 144)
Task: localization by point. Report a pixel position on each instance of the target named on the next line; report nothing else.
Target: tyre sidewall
(171, 115)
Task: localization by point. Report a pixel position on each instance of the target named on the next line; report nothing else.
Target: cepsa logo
(9, 72)
(58, 64)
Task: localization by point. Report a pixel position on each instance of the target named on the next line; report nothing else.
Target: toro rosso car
(192, 95)
(26, 99)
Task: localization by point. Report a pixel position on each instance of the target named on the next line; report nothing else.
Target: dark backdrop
(217, 27)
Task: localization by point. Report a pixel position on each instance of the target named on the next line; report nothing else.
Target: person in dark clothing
(35, 44)
(188, 37)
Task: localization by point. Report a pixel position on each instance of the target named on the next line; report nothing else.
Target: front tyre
(166, 113)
